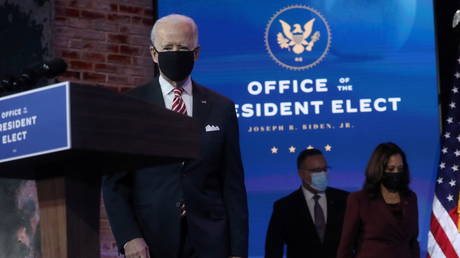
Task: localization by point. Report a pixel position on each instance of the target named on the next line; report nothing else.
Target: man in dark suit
(190, 209)
(308, 221)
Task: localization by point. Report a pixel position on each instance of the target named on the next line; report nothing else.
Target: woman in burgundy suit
(381, 220)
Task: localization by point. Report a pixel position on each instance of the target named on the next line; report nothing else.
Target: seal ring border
(319, 59)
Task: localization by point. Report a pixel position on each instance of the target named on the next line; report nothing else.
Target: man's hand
(136, 248)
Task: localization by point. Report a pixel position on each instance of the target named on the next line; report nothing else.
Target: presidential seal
(297, 37)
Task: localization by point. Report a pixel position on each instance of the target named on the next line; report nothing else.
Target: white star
(455, 168)
(452, 104)
(458, 137)
(328, 147)
(455, 90)
(274, 150)
(450, 120)
(291, 149)
(452, 183)
(457, 75)
(457, 153)
(450, 198)
(447, 135)
(440, 180)
(444, 150)
(442, 165)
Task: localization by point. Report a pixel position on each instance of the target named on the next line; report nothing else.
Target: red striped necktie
(178, 104)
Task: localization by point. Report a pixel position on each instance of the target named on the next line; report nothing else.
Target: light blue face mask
(319, 181)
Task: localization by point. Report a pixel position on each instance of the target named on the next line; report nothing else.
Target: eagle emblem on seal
(297, 38)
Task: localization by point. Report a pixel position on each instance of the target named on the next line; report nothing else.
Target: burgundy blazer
(370, 229)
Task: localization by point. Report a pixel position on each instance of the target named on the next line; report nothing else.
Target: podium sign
(66, 136)
(35, 122)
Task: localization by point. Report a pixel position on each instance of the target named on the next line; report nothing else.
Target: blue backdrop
(337, 75)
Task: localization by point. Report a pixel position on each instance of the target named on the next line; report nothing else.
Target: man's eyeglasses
(317, 170)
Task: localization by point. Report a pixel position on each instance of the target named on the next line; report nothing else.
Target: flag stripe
(442, 239)
(443, 227)
(434, 251)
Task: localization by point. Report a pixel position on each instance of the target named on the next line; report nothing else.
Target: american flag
(444, 236)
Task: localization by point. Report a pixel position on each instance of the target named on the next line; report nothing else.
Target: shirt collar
(167, 88)
(309, 195)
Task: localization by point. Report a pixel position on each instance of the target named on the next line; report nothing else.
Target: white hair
(175, 19)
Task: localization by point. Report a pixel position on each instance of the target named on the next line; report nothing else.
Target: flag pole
(458, 213)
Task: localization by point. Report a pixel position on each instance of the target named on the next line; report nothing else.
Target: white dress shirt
(311, 202)
(168, 94)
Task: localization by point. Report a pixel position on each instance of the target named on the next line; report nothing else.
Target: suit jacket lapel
(407, 215)
(150, 92)
(201, 105)
(155, 94)
(390, 217)
(331, 223)
(306, 221)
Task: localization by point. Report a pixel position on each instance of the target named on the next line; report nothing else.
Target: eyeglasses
(317, 170)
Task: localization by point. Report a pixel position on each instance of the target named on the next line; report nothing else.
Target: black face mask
(393, 181)
(176, 65)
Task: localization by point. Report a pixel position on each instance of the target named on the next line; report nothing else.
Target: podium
(66, 137)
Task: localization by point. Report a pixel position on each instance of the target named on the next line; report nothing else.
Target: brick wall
(104, 42)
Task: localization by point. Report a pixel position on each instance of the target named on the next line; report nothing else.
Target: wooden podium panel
(69, 216)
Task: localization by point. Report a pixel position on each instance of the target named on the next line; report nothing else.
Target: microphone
(30, 76)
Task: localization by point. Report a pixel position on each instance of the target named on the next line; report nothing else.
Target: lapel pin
(203, 102)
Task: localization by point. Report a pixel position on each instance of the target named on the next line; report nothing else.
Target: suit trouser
(186, 249)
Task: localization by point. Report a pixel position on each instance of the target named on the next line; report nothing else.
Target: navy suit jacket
(291, 225)
(143, 203)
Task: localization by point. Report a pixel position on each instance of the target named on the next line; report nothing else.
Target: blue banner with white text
(337, 75)
(34, 122)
